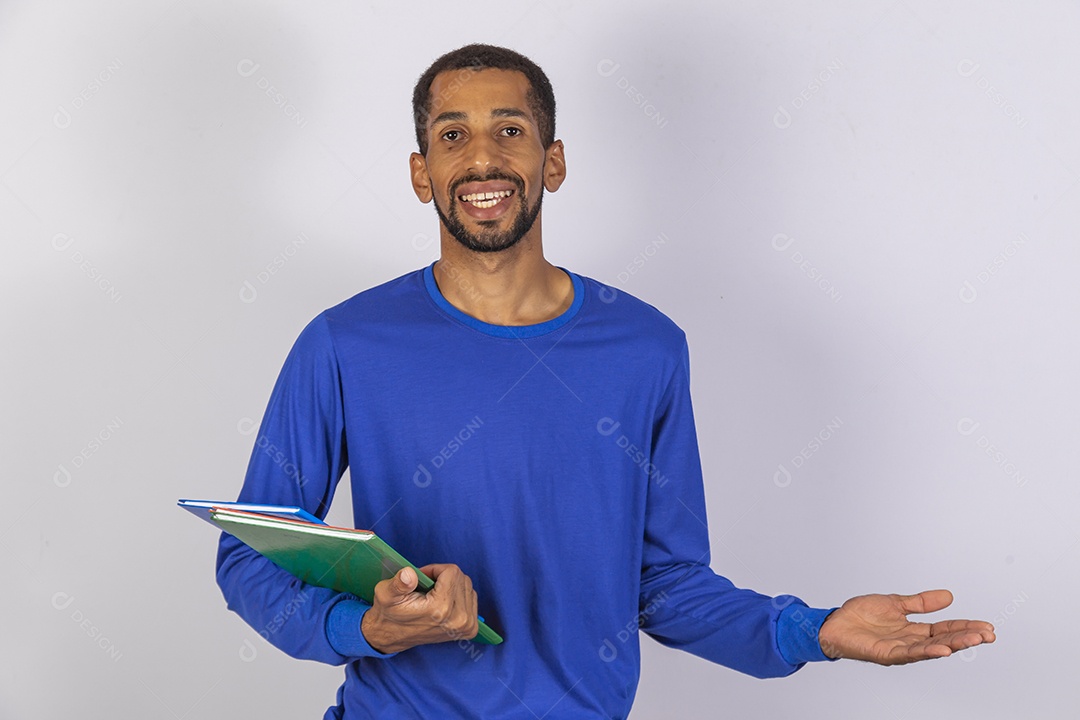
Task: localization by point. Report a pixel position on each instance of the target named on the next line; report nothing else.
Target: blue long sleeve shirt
(557, 464)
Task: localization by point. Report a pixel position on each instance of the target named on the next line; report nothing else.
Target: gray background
(863, 215)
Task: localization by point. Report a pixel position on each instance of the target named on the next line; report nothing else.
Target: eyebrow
(508, 112)
(456, 116)
(448, 117)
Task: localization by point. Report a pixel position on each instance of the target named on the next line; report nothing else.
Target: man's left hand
(875, 628)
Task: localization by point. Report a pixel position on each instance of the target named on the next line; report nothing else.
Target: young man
(529, 430)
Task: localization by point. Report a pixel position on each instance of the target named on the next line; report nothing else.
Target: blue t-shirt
(557, 464)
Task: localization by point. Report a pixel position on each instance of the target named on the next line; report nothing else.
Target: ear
(554, 166)
(421, 180)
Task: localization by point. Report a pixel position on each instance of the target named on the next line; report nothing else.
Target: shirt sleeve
(683, 603)
(343, 630)
(298, 458)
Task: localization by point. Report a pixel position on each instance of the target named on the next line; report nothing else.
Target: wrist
(374, 630)
(829, 647)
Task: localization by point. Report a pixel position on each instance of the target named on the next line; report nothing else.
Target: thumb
(926, 602)
(404, 582)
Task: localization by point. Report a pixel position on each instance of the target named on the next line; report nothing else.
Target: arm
(684, 604)
(298, 458)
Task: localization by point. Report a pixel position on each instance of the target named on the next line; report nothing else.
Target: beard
(489, 239)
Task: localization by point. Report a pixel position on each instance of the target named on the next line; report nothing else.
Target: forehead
(476, 92)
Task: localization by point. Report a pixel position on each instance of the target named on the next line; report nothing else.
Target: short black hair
(471, 58)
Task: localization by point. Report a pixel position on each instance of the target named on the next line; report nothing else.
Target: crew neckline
(506, 331)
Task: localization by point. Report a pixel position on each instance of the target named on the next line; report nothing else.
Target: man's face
(485, 162)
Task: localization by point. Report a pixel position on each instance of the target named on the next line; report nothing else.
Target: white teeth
(486, 199)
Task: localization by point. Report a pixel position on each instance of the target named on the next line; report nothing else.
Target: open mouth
(485, 200)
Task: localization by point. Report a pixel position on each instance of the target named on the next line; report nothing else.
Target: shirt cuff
(797, 630)
(343, 630)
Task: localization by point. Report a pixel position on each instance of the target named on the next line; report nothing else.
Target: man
(530, 431)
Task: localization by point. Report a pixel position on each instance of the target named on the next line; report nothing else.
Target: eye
(514, 132)
(454, 133)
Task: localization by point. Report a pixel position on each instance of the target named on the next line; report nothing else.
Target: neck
(516, 286)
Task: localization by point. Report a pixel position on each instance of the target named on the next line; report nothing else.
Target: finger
(960, 639)
(471, 607)
(459, 589)
(440, 598)
(945, 645)
(964, 628)
(904, 652)
(984, 629)
(464, 593)
(403, 583)
(456, 598)
(925, 602)
(450, 582)
(436, 569)
(396, 590)
(929, 652)
(462, 621)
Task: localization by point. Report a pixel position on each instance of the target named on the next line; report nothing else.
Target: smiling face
(486, 167)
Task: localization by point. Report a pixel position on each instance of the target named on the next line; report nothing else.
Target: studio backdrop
(863, 214)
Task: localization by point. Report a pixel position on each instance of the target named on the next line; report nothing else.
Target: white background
(863, 215)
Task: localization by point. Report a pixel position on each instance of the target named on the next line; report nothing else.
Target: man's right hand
(401, 618)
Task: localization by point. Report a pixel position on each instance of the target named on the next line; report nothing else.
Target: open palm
(875, 628)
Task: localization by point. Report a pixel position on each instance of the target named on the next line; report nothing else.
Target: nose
(484, 154)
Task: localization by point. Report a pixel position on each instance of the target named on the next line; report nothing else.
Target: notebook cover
(341, 559)
(202, 509)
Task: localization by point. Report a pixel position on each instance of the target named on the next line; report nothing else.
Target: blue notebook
(202, 509)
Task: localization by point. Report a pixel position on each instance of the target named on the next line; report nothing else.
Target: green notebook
(341, 559)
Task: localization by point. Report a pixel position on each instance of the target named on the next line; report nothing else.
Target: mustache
(517, 182)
